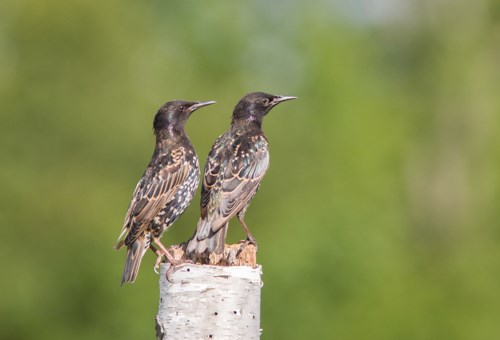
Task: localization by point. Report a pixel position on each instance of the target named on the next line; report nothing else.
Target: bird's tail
(217, 240)
(135, 252)
(203, 241)
(198, 243)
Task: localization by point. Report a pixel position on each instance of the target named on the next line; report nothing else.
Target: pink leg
(159, 255)
(249, 235)
(164, 250)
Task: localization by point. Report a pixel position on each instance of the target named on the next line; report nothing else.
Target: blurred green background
(379, 216)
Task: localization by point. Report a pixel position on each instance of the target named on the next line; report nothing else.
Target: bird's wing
(153, 192)
(215, 160)
(230, 184)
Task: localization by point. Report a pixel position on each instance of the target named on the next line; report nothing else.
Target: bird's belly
(175, 207)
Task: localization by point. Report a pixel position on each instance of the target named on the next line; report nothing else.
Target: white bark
(209, 302)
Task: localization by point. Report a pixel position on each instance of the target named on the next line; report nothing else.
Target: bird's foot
(157, 263)
(251, 240)
(160, 254)
(246, 243)
(171, 268)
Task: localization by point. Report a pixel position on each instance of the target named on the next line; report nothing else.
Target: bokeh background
(379, 216)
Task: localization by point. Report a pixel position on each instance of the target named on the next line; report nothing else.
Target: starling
(166, 188)
(234, 169)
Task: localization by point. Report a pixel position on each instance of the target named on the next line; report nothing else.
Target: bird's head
(172, 116)
(254, 106)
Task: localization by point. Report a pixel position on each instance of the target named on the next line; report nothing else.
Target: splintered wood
(240, 254)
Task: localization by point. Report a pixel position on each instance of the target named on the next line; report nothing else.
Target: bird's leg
(159, 255)
(169, 257)
(172, 261)
(164, 250)
(250, 238)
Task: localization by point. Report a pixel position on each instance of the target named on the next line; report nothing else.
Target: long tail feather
(217, 240)
(198, 243)
(135, 252)
(211, 242)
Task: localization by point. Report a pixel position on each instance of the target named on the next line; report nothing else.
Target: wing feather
(225, 193)
(151, 194)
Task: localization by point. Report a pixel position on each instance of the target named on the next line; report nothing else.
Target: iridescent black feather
(233, 172)
(166, 187)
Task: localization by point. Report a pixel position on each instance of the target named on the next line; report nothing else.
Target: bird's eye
(265, 101)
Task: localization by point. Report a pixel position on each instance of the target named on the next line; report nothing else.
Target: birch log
(201, 301)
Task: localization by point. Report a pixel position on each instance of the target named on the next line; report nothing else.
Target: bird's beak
(280, 99)
(197, 105)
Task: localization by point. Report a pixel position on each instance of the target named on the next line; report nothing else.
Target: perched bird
(166, 188)
(234, 169)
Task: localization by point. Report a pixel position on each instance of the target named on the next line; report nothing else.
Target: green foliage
(379, 215)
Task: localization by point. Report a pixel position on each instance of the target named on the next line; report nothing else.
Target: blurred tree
(378, 217)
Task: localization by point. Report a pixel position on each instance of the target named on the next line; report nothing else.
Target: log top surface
(239, 254)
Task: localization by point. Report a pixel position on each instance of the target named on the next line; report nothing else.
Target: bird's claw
(158, 262)
(169, 272)
(171, 268)
(251, 240)
(246, 243)
(157, 267)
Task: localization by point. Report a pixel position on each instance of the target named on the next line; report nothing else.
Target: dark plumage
(166, 188)
(233, 172)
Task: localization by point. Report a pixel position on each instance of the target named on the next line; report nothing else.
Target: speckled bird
(165, 190)
(234, 169)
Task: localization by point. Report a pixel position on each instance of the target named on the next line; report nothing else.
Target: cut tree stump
(217, 300)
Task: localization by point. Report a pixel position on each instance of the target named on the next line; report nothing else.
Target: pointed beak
(280, 99)
(197, 105)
